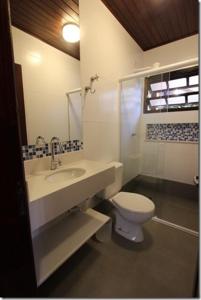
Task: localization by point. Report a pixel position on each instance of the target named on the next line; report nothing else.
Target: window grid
(170, 92)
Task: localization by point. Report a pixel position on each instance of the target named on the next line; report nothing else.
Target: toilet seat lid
(133, 202)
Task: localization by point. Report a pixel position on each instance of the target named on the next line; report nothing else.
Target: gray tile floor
(163, 266)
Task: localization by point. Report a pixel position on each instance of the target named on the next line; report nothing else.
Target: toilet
(131, 210)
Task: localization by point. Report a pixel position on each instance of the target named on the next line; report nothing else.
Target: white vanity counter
(49, 199)
(38, 185)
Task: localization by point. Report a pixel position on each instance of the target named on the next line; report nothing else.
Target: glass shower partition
(130, 132)
(139, 154)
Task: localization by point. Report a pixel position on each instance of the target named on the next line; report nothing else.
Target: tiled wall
(177, 132)
(33, 151)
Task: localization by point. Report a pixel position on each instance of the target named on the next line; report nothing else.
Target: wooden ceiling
(44, 20)
(153, 23)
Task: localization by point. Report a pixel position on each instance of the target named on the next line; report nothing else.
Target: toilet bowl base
(127, 229)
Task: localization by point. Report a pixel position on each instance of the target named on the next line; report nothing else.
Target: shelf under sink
(55, 244)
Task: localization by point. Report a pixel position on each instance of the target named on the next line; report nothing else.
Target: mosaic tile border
(33, 151)
(173, 132)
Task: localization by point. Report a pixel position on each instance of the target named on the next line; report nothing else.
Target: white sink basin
(52, 193)
(66, 174)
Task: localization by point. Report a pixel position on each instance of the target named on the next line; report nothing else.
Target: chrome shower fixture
(89, 87)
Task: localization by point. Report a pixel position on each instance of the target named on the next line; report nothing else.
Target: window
(172, 91)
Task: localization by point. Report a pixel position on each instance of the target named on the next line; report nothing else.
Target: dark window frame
(182, 73)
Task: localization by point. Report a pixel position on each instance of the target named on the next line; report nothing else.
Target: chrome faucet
(55, 162)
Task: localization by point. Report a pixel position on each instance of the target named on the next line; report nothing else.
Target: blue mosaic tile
(179, 132)
(32, 151)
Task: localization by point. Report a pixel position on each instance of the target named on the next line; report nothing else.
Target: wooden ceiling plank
(38, 17)
(191, 14)
(142, 31)
(155, 23)
(179, 16)
(35, 5)
(67, 9)
(56, 5)
(43, 22)
(185, 16)
(174, 17)
(160, 22)
(143, 18)
(33, 23)
(72, 5)
(47, 7)
(54, 12)
(123, 21)
(76, 2)
(33, 28)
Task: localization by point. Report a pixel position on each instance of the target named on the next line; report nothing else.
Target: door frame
(17, 272)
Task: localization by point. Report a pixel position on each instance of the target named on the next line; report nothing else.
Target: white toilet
(131, 210)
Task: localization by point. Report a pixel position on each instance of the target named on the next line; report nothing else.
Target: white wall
(173, 161)
(169, 160)
(173, 52)
(108, 50)
(47, 75)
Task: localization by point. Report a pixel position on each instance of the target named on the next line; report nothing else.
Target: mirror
(47, 77)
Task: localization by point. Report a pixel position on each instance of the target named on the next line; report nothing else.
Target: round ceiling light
(71, 32)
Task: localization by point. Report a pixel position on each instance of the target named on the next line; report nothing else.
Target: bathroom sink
(65, 174)
(52, 193)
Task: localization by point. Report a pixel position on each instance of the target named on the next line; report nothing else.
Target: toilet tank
(116, 186)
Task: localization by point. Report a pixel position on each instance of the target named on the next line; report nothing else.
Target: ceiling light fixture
(71, 32)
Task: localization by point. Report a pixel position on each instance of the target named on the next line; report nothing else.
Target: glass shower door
(130, 120)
